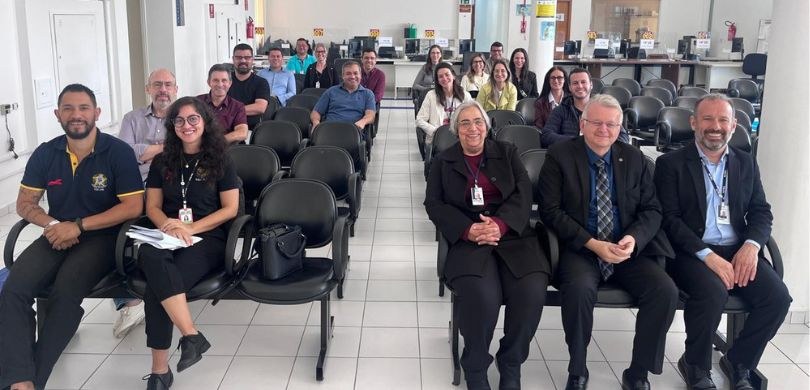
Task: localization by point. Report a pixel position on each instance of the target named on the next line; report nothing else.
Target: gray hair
(321, 45)
(714, 97)
(603, 100)
(461, 108)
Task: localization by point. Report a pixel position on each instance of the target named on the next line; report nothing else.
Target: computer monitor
(467, 57)
(466, 45)
(570, 48)
(358, 43)
(737, 45)
(411, 46)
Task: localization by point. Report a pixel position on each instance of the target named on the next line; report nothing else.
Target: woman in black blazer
(524, 79)
(479, 196)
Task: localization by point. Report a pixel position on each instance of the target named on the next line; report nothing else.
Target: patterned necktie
(604, 217)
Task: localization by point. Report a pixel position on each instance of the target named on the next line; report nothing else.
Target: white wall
(746, 15)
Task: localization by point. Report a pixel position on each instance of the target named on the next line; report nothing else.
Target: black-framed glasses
(557, 78)
(192, 120)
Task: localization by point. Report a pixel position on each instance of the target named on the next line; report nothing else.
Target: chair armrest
(663, 134)
(733, 92)
(340, 247)
(304, 143)
(553, 247)
(441, 255)
(11, 242)
(630, 119)
(122, 243)
(242, 224)
(355, 194)
(279, 175)
(775, 257)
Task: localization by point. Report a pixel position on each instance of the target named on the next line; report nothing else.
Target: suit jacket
(682, 192)
(448, 208)
(565, 191)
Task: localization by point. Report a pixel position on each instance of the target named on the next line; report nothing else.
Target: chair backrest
(659, 93)
(522, 136)
(303, 202)
(525, 107)
(744, 88)
(743, 120)
(597, 85)
(303, 101)
(677, 121)
(745, 106)
(297, 115)
(313, 91)
(255, 166)
(644, 111)
(501, 118)
(443, 139)
(620, 93)
(299, 82)
(664, 83)
(281, 136)
(341, 134)
(629, 84)
(272, 107)
(533, 160)
(687, 102)
(692, 91)
(741, 139)
(754, 64)
(329, 164)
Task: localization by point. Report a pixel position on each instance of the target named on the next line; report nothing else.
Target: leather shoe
(510, 377)
(191, 349)
(630, 382)
(476, 380)
(159, 381)
(576, 382)
(695, 377)
(740, 376)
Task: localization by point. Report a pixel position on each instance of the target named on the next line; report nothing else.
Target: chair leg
(441, 289)
(340, 289)
(327, 322)
(454, 336)
(42, 308)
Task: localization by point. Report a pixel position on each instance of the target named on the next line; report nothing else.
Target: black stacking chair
(620, 93)
(442, 139)
(745, 106)
(742, 120)
(746, 89)
(299, 82)
(664, 83)
(309, 204)
(641, 117)
(256, 166)
(303, 101)
(524, 137)
(317, 92)
(692, 91)
(283, 137)
(533, 160)
(687, 102)
(741, 139)
(629, 84)
(673, 129)
(272, 107)
(501, 118)
(525, 107)
(659, 93)
(596, 86)
(297, 115)
(344, 135)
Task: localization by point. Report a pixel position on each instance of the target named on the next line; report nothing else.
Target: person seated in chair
(246, 86)
(347, 102)
(598, 196)
(281, 81)
(373, 78)
(555, 88)
(299, 63)
(477, 76)
(319, 74)
(441, 101)
(479, 196)
(93, 187)
(230, 113)
(192, 190)
(499, 93)
(718, 219)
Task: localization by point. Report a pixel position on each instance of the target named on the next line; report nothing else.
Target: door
(563, 26)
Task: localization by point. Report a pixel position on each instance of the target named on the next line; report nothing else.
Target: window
(630, 18)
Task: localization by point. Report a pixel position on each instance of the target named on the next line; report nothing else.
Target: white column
(785, 141)
(541, 37)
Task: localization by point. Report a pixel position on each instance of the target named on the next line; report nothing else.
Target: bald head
(162, 89)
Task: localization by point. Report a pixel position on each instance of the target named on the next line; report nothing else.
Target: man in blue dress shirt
(282, 82)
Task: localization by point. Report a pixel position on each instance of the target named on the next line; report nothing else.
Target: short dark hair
(579, 70)
(219, 68)
(243, 46)
(77, 88)
(305, 40)
(348, 64)
(278, 49)
(495, 44)
(369, 50)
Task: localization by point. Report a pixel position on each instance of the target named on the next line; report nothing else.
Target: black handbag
(281, 250)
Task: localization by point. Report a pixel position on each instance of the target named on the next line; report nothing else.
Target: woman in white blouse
(441, 101)
(477, 76)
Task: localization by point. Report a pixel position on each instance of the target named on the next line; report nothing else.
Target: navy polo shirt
(79, 190)
(339, 105)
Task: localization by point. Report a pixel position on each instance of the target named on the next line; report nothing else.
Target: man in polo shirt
(247, 87)
(373, 78)
(282, 82)
(347, 102)
(302, 59)
(93, 186)
(229, 111)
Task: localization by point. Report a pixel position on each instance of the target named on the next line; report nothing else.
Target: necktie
(604, 218)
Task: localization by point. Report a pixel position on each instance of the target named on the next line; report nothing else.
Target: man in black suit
(598, 196)
(717, 217)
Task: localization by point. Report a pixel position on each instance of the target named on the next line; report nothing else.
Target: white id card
(185, 215)
(318, 84)
(723, 216)
(477, 195)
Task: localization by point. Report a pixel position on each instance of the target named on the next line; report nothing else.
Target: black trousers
(71, 275)
(169, 273)
(655, 294)
(478, 301)
(767, 295)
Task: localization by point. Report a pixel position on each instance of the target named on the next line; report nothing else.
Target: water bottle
(755, 125)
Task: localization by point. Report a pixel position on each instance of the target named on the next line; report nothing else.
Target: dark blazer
(563, 124)
(564, 186)
(447, 207)
(526, 87)
(682, 192)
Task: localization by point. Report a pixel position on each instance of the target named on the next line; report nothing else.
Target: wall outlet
(7, 108)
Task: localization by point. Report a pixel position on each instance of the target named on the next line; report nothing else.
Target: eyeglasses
(192, 120)
(243, 58)
(320, 51)
(467, 124)
(556, 78)
(158, 84)
(478, 62)
(598, 124)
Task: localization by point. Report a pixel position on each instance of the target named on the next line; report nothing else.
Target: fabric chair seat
(311, 283)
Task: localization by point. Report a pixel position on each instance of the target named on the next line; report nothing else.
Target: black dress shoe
(740, 376)
(629, 382)
(191, 349)
(510, 377)
(695, 377)
(576, 382)
(476, 380)
(159, 381)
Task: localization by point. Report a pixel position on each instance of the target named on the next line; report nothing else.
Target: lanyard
(722, 195)
(474, 174)
(183, 185)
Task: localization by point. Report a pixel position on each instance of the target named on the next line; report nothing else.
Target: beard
(715, 145)
(78, 134)
(242, 70)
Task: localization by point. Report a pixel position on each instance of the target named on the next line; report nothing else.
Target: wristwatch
(78, 222)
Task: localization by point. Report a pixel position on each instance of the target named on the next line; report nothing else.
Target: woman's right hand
(181, 233)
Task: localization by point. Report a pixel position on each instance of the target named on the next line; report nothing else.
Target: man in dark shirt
(229, 111)
(248, 88)
(373, 78)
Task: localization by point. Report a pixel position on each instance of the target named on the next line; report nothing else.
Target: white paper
(647, 44)
(385, 41)
(442, 42)
(158, 239)
(601, 43)
(703, 43)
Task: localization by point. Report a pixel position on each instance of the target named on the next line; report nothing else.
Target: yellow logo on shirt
(99, 182)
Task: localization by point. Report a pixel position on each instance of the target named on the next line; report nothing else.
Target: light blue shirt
(282, 84)
(716, 233)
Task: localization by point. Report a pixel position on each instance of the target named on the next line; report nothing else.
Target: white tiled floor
(391, 327)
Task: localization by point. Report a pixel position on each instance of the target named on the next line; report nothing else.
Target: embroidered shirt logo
(57, 182)
(99, 182)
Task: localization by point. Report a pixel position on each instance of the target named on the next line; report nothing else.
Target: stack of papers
(158, 239)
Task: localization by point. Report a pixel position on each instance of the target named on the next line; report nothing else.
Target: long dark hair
(547, 82)
(458, 92)
(212, 151)
(524, 71)
(506, 82)
(428, 66)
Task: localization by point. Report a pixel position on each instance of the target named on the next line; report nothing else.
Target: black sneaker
(740, 376)
(695, 377)
(191, 349)
(159, 381)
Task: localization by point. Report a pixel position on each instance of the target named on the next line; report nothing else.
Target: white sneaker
(128, 318)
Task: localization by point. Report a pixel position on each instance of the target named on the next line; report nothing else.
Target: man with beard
(229, 111)
(93, 186)
(717, 217)
(143, 130)
(248, 88)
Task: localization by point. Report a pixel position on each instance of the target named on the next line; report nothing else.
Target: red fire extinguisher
(732, 30)
(250, 28)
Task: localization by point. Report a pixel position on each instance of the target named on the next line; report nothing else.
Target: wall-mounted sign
(546, 9)
(464, 9)
(442, 42)
(648, 35)
(374, 32)
(317, 32)
(601, 43)
(430, 33)
(591, 35)
(259, 30)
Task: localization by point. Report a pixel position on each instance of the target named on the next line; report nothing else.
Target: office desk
(670, 69)
(717, 74)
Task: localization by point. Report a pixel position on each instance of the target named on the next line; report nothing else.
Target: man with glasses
(373, 78)
(496, 53)
(229, 111)
(564, 122)
(599, 197)
(280, 81)
(246, 87)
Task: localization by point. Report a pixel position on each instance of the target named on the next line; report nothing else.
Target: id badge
(185, 215)
(477, 196)
(723, 216)
(318, 84)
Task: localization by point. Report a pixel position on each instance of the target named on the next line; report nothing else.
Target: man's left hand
(624, 247)
(745, 264)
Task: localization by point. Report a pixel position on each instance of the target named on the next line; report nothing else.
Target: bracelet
(54, 222)
(79, 224)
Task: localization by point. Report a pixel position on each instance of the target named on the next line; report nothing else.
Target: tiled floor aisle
(391, 327)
